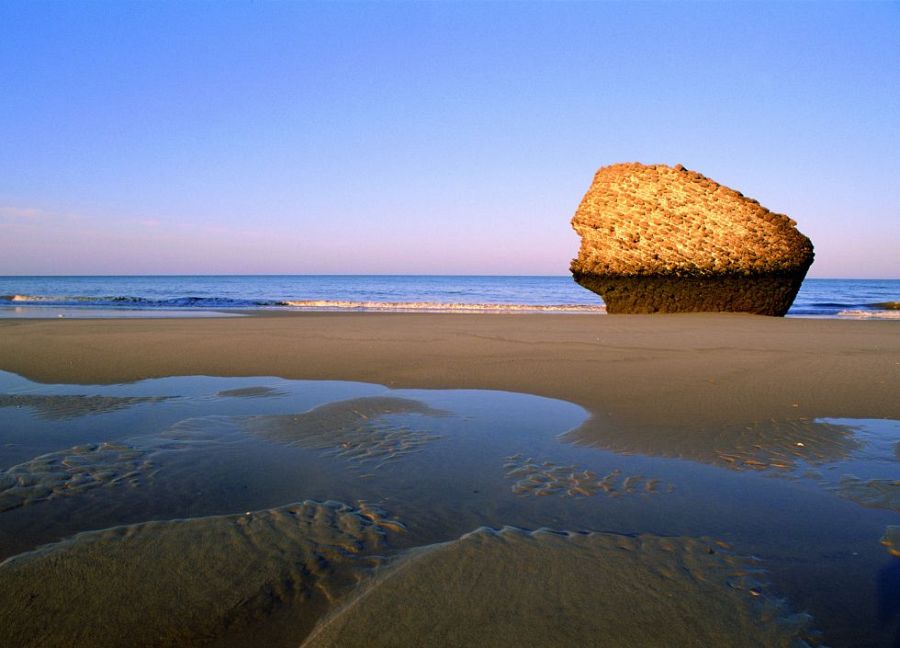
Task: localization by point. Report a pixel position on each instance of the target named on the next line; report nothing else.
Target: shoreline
(885, 311)
(736, 392)
(678, 371)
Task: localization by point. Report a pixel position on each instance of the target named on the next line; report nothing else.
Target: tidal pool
(229, 511)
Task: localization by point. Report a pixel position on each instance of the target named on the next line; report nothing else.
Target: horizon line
(377, 274)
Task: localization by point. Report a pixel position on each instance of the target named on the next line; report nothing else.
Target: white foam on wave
(439, 307)
(65, 299)
(869, 314)
(33, 298)
(51, 299)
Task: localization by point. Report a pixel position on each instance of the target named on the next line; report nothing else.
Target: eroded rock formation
(662, 239)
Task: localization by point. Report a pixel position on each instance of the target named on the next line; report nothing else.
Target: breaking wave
(869, 314)
(296, 304)
(440, 307)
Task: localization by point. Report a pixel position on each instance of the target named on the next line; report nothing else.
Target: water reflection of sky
(447, 462)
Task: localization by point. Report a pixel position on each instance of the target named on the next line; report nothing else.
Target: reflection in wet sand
(358, 430)
(545, 588)
(541, 478)
(74, 470)
(872, 493)
(765, 445)
(185, 582)
(58, 407)
(891, 540)
(197, 432)
(71, 471)
(268, 577)
(250, 392)
(355, 430)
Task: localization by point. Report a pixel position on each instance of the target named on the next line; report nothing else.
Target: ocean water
(173, 295)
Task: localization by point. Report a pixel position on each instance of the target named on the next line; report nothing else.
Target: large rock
(662, 239)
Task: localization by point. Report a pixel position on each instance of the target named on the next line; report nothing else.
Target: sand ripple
(359, 430)
(186, 582)
(71, 471)
(92, 465)
(250, 392)
(71, 406)
(541, 478)
(871, 493)
(545, 588)
(762, 446)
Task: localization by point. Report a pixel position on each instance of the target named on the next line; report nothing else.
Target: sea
(170, 295)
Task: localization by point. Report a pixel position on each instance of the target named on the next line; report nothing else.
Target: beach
(494, 325)
(680, 468)
(683, 370)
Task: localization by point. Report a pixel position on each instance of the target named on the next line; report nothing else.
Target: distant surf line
(297, 304)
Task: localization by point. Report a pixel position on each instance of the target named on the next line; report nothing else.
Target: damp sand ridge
(746, 412)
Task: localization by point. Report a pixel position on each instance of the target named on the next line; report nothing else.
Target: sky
(427, 138)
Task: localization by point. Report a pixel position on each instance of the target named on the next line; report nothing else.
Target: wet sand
(744, 393)
(696, 372)
(180, 582)
(546, 588)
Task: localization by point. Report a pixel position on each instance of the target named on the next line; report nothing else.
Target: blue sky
(427, 137)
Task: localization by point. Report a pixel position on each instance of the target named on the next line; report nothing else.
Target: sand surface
(545, 588)
(187, 582)
(698, 372)
(66, 407)
(68, 472)
(741, 392)
(354, 429)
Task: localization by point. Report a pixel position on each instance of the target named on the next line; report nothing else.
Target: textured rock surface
(663, 239)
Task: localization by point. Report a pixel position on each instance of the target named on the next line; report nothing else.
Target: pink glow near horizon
(427, 138)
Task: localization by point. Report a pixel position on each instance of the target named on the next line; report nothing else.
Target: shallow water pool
(191, 510)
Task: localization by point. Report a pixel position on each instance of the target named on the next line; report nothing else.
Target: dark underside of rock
(761, 294)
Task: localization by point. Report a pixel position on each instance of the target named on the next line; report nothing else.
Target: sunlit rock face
(662, 239)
